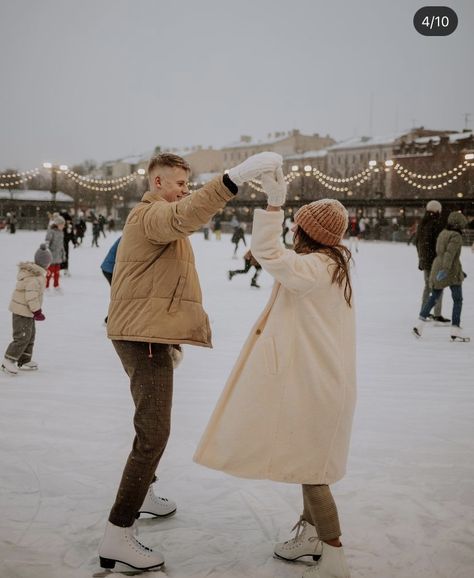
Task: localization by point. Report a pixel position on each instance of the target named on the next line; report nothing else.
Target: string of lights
(18, 179)
(338, 184)
(99, 184)
(419, 180)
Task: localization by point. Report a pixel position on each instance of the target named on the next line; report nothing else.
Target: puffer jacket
(430, 227)
(28, 294)
(156, 295)
(448, 251)
(55, 243)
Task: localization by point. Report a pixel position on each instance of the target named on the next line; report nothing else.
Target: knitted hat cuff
(325, 221)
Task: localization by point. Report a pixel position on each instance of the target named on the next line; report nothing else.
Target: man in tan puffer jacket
(25, 306)
(156, 305)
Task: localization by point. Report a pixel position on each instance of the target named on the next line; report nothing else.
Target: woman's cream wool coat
(286, 411)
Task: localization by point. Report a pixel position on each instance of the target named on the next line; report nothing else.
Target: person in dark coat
(238, 236)
(447, 272)
(80, 229)
(102, 221)
(250, 261)
(95, 233)
(69, 237)
(11, 222)
(430, 227)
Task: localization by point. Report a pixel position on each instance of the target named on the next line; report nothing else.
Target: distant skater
(250, 261)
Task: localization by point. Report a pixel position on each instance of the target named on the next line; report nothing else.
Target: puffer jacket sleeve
(298, 273)
(167, 222)
(33, 294)
(49, 238)
(452, 250)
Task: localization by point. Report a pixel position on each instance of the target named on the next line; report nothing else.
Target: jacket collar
(150, 197)
(31, 268)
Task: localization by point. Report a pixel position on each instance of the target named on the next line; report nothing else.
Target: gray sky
(101, 79)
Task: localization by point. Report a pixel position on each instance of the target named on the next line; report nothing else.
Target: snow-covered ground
(406, 504)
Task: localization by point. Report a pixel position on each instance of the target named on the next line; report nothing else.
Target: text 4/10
(435, 21)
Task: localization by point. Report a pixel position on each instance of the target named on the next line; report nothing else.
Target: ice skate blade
(416, 333)
(117, 566)
(315, 557)
(156, 515)
(460, 339)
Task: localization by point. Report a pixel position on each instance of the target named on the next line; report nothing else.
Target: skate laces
(299, 527)
(157, 499)
(140, 544)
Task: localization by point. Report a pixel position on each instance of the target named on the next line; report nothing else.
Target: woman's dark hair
(340, 255)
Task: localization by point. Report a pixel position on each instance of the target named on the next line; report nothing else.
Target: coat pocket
(177, 295)
(270, 353)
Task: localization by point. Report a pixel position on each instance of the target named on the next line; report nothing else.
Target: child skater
(55, 243)
(25, 306)
(286, 411)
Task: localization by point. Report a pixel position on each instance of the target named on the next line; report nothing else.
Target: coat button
(258, 331)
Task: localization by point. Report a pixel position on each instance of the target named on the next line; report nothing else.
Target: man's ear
(157, 182)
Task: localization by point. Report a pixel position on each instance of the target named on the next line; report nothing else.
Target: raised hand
(254, 166)
(274, 186)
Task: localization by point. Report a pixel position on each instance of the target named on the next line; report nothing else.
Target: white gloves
(274, 186)
(254, 166)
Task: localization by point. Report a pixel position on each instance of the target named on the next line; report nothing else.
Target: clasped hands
(268, 167)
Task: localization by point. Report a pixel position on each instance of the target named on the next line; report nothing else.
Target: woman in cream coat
(286, 411)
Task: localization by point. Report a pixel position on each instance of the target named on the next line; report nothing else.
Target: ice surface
(406, 504)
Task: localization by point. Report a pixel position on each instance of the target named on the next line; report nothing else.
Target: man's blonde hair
(167, 160)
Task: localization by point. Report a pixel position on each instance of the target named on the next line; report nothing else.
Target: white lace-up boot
(305, 543)
(29, 366)
(9, 366)
(332, 564)
(419, 328)
(120, 546)
(156, 506)
(457, 334)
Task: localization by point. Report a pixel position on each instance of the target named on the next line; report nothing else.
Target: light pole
(55, 169)
(141, 173)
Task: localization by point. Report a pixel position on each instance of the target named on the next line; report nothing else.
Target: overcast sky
(103, 79)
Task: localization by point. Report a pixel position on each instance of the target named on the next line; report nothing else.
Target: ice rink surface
(406, 504)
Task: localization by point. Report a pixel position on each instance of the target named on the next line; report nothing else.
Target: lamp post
(470, 188)
(140, 186)
(55, 169)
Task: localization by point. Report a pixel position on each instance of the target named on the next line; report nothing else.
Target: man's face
(172, 183)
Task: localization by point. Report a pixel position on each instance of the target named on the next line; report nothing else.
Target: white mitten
(176, 355)
(255, 166)
(274, 186)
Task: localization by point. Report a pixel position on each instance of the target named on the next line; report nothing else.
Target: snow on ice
(406, 504)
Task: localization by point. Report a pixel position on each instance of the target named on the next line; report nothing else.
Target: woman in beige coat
(286, 411)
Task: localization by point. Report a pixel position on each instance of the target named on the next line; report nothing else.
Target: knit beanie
(325, 221)
(43, 256)
(457, 220)
(433, 207)
(58, 220)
